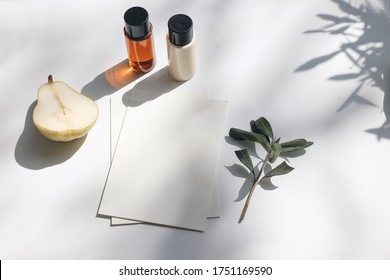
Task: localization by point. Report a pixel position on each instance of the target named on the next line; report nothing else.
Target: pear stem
(50, 79)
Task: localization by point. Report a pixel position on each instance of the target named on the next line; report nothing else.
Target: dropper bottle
(139, 40)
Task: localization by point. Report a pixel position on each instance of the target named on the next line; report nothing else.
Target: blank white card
(164, 164)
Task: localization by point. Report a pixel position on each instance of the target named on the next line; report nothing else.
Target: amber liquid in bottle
(141, 53)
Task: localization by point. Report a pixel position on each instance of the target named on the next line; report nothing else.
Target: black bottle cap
(180, 31)
(137, 23)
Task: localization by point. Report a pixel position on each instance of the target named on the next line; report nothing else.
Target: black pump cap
(137, 22)
(180, 31)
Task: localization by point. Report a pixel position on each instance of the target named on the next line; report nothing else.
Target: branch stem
(256, 181)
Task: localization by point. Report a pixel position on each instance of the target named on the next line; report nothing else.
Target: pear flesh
(63, 114)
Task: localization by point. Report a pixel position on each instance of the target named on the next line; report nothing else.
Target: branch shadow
(34, 151)
(368, 50)
(383, 131)
(240, 171)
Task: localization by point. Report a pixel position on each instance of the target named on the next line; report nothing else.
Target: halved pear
(63, 114)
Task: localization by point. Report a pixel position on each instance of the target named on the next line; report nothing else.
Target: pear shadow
(110, 81)
(150, 88)
(34, 151)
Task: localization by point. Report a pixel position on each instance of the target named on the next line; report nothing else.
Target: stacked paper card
(165, 152)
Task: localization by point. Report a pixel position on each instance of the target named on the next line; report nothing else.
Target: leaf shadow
(381, 132)
(312, 63)
(355, 98)
(266, 183)
(250, 146)
(363, 29)
(287, 156)
(239, 171)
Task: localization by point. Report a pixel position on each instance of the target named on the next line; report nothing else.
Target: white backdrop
(314, 69)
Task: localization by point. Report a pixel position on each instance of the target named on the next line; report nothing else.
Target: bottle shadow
(34, 151)
(150, 88)
(111, 80)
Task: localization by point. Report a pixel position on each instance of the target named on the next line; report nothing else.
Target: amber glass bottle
(139, 40)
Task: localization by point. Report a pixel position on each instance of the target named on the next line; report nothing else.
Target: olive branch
(262, 133)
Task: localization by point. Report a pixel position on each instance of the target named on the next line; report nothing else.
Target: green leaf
(281, 169)
(308, 144)
(276, 149)
(264, 126)
(300, 142)
(239, 134)
(244, 157)
(256, 130)
(292, 149)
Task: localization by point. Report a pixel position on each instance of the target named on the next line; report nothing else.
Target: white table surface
(267, 58)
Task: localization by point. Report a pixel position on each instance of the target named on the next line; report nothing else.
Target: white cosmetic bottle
(181, 48)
